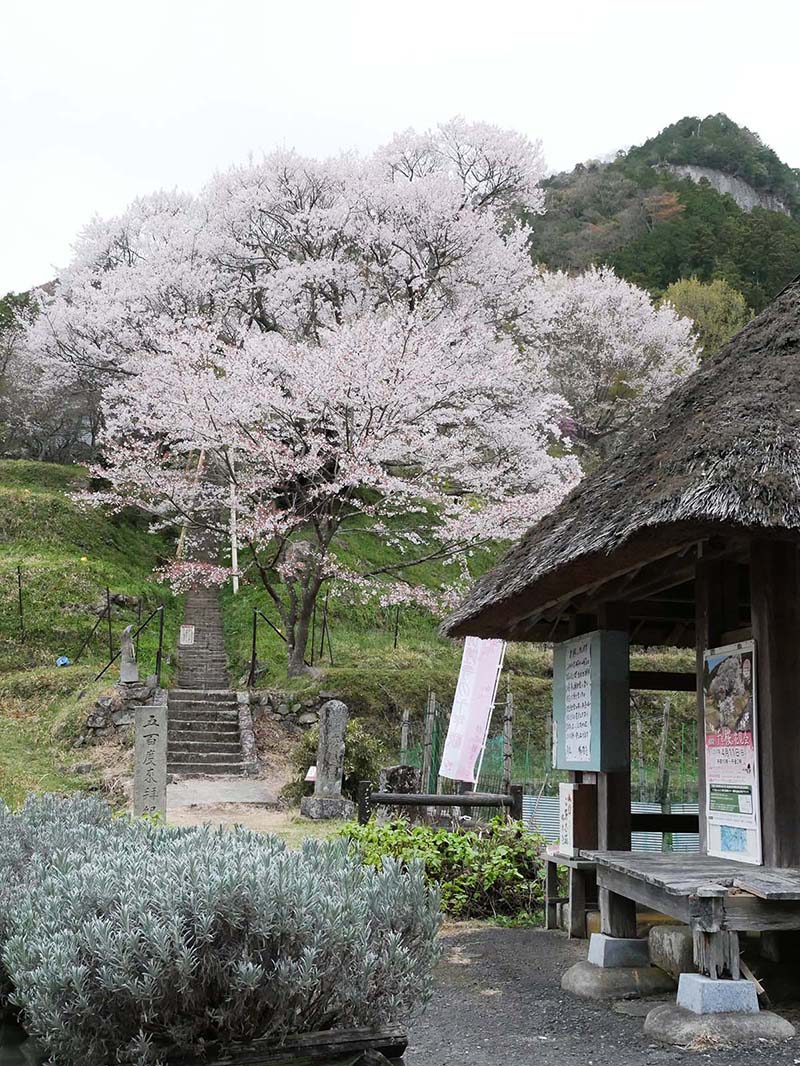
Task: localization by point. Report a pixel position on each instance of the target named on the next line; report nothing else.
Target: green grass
(67, 556)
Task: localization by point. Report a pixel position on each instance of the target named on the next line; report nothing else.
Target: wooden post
(617, 913)
(516, 792)
(716, 610)
(21, 613)
(362, 796)
(405, 726)
(110, 635)
(551, 896)
(427, 746)
(775, 605)
(508, 742)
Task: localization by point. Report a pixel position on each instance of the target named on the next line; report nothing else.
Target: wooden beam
(654, 822)
(663, 681)
(775, 605)
(716, 610)
(617, 912)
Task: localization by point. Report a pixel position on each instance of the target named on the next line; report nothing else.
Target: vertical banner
(733, 807)
(472, 708)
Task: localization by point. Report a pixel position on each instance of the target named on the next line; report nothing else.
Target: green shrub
(363, 758)
(493, 872)
(161, 938)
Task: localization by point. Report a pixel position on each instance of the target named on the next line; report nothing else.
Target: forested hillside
(655, 226)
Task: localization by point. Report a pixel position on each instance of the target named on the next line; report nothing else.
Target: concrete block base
(611, 952)
(702, 995)
(675, 1025)
(323, 807)
(601, 983)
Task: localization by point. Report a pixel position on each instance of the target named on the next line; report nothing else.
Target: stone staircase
(203, 720)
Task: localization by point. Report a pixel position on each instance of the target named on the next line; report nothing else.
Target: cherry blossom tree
(356, 345)
(611, 354)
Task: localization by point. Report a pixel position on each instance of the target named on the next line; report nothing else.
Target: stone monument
(150, 759)
(328, 801)
(128, 668)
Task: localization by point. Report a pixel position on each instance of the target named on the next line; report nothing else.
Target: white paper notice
(578, 702)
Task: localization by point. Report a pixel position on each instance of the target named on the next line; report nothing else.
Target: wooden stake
(427, 747)
(405, 726)
(508, 742)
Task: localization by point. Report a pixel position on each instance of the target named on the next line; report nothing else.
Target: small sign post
(187, 636)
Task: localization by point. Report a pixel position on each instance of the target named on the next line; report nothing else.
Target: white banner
(472, 708)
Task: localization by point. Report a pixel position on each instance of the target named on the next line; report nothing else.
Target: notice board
(730, 729)
(591, 702)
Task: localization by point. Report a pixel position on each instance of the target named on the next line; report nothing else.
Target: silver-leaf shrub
(162, 939)
(47, 826)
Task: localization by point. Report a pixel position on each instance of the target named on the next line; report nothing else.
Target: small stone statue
(128, 669)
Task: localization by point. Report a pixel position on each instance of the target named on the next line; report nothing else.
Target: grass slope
(67, 556)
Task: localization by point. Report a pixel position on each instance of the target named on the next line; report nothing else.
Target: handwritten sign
(591, 702)
(578, 702)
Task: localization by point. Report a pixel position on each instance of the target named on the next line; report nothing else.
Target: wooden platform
(707, 893)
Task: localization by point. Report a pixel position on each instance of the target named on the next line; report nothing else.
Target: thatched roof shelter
(718, 463)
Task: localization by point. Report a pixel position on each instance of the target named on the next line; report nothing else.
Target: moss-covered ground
(66, 557)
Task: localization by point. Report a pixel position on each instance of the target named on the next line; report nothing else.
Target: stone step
(203, 679)
(201, 758)
(193, 712)
(203, 748)
(223, 694)
(206, 734)
(198, 769)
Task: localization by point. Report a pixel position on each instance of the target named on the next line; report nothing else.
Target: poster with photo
(733, 809)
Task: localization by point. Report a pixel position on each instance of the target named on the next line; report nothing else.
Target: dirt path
(498, 1002)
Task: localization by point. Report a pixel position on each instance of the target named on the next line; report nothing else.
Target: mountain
(704, 198)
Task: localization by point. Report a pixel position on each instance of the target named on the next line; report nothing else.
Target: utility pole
(234, 540)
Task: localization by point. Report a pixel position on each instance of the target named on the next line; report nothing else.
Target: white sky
(101, 101)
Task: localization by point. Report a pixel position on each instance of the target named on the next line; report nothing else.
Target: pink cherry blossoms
(350, 345)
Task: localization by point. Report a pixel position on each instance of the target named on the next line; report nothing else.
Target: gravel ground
(498, 1001)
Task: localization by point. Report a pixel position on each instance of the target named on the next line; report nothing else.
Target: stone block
(675, 1025)
(671, 949)
(122, 718)
(324, 807)
(612, 951)
(703, 995)
(308, 719)
(588, 981)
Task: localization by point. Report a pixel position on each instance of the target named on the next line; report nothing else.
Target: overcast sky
(102, 101)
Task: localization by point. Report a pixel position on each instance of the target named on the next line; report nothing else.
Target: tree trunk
(297, 643)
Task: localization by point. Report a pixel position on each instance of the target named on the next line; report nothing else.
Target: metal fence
(531, 763)
(540, 814)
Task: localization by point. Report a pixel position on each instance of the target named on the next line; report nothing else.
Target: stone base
(588, 981)
(675, 1025)
(702, 995)
(322, 807)
(612, 952)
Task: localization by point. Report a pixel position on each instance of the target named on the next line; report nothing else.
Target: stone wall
(115, 713)
(288, 707)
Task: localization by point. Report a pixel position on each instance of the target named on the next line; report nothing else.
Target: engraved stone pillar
(328, 801)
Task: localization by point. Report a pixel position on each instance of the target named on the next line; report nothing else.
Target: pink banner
(472, 708)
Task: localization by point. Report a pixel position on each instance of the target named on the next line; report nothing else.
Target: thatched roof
(721, 454)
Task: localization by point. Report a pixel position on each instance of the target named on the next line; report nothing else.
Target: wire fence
(531, 758)
(30, 627)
